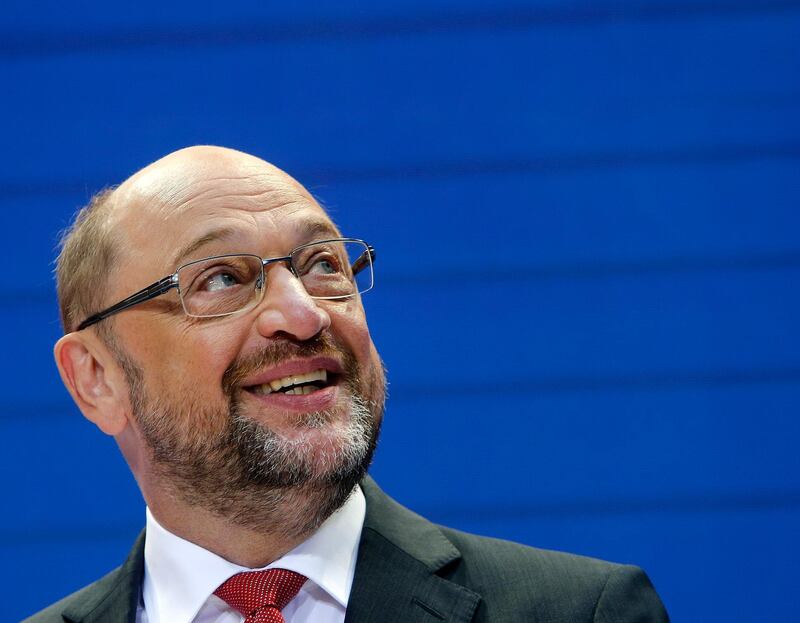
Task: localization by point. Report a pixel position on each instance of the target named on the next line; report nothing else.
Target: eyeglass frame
(165, 284)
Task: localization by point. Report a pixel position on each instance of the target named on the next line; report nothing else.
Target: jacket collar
(396, 579)
(399, 558)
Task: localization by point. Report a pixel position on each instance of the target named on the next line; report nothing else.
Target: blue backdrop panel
(87, 480)
(72, 562)
(512, 451)
(611, 92)
(591, 208)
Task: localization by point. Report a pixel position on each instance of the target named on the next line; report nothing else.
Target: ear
(94, 380)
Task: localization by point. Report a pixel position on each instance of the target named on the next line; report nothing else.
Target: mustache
(277, 352)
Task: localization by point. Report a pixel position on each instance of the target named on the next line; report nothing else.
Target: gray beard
(246, 473)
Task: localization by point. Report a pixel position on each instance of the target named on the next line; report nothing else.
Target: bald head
(184, 175)
(118, 224)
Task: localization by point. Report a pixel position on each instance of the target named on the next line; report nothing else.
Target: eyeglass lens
(223, 285)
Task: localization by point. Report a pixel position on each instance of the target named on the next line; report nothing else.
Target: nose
(287, 309)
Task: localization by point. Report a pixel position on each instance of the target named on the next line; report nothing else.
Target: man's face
(206, 394)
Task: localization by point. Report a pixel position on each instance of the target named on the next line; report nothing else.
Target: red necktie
(261, 595)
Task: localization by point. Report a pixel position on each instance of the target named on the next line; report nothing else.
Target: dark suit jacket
(412, 571)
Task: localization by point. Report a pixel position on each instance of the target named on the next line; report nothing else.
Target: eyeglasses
(226, 284)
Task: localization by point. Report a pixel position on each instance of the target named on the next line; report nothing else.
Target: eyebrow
(312, 229)
(213, 236)
(305, 230)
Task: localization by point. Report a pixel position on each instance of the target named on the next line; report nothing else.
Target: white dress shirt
(181, 577)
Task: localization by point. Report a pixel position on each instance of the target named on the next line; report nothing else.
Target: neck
(250, 533)
(241, 545)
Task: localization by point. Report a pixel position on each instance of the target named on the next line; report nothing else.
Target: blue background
(587, 219)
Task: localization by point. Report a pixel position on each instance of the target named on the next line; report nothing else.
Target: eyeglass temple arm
(364, 260)
(150, 292)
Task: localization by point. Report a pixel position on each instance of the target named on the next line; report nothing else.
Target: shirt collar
(180, 576)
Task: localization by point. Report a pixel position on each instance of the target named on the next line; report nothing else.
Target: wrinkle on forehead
(258, 192)
(195, 175)
(204, 181)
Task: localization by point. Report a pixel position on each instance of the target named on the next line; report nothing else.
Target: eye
(218, 285)
(321, 259)
(324, 265)
(219, 281)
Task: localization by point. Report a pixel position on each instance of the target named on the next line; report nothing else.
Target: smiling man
(214, 327)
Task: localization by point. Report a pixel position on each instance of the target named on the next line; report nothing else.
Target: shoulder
(514, 578)
(512, 582)
(78, 599)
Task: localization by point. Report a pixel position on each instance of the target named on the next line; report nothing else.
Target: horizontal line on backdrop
(565, 385)
(101, 533)
(487, 276)
(597, 508)
(593, 270)
(716, 154)
(315, 175)
(560, 385)
(711, 503)
(15, 44)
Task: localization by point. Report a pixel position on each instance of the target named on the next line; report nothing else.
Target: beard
(217, 459)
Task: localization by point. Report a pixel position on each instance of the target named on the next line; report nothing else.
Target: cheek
(352, 332)
(179, 358)
(204, 357)
(351, 329)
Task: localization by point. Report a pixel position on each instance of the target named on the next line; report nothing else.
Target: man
(245, 393)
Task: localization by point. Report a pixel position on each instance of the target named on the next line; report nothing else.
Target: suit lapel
(396, 577)
(115, 598)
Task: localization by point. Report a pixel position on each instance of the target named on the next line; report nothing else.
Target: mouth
(296, 384)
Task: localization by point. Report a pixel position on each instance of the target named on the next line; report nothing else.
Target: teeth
(296, 379)
(301, 391)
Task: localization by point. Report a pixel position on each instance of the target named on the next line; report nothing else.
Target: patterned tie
(261, 595)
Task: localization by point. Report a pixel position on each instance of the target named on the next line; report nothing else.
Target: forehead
(186, 212)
